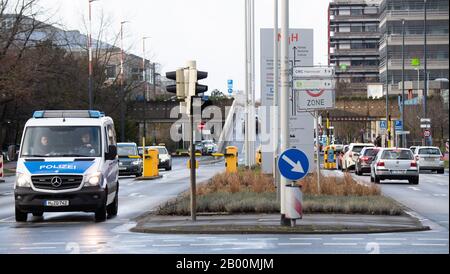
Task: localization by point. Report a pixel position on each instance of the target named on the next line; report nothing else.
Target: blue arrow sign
(398, 125)
(230, 90)
(293, 164)
(383, 125)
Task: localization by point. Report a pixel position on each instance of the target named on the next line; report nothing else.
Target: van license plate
(57, 203)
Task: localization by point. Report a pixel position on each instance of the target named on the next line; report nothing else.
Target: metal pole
(402, 138)
(122, 96)
(387, 144)
(275, 117)
(252, 95)
(192, 160)
(144, 78)
(91, 103)
(284, 97)
(425, 88)
(246, 142)
(316, 115)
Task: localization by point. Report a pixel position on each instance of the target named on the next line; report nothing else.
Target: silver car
(429, 158)
(394, 164)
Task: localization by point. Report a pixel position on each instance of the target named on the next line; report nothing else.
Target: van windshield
(62, 141)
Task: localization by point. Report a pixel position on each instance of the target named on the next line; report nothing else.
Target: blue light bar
(38, 114)
(94, 114)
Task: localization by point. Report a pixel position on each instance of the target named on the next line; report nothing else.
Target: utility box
(231, 159)
(151, 162)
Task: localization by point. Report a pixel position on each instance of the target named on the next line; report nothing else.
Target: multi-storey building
(408, 17)
(353, 38)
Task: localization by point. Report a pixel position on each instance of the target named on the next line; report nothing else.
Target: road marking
(286, 244)
(5, 220)
(440, 195)
(431, 239)
(49, 243)
(429, 244)
(340, 244)
(390, 239)
(389, 243)
(134, 246)
(263, 239)
(414, 188)
(167, 245)
(37, 247)
(53, 231)
(179, 240)
(355, 239)
(136, 241)
(318, 239)
(200, 238)
(206, 244)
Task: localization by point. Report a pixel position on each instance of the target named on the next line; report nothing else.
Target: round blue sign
(293, 164)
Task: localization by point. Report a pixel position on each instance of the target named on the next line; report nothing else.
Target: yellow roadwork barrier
(329, 157)
(151, 162)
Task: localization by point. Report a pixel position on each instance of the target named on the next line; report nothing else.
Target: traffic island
(270, 224)
(148, 178)
(245, 202)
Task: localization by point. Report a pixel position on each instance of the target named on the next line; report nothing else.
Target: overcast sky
(209, 31)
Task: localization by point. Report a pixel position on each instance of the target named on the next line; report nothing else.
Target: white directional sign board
(315, 99)
(314, 84)
(313, 72)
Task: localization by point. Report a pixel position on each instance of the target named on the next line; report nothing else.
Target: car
(365, 159)
(8, 152)
(340, 157)
(130, 163)
(165, 160)
(67, 162)
(209, 147)
(394, 164)
(199, 147)
(351, 155)
(429, 158)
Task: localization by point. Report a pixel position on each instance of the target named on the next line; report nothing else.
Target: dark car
(365, 160)
(130, 163)
(10, 152)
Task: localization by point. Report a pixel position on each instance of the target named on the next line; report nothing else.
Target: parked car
(365, 160)
(394, 164)
(130, 163)
(340, 157)
(209, 147)
(165, 160)
(352, 154)
(8, 152)
(429, 158)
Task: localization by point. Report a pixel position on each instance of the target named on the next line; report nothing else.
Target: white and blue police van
(67, 162)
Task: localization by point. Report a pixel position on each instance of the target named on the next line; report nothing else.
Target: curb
(148, 178)
(307, 229)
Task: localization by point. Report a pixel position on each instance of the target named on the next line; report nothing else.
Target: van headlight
(93, 180)
(23, 180)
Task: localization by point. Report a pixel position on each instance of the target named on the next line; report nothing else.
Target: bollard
(231, 159)
(1, 168)
(150, 162)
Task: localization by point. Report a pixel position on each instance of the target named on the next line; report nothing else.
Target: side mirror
(112, 153)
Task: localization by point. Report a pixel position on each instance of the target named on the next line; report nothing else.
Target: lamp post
(145, 83)
(91, 103)
(122, 96)
(403, 83)
(387, 91)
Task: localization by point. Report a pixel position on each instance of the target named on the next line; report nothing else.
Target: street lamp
(403, 139)
(90, 56)
(122, 97)
(145, 81)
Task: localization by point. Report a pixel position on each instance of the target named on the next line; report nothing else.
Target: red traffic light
(201, 126)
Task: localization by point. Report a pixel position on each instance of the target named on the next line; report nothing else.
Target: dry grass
(338, 186)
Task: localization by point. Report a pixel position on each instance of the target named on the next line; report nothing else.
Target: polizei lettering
(60, 166)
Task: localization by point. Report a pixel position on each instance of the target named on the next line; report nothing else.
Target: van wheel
(21, 216)
(38, 214)
(113, 208)
(100, 214)
(414, 181)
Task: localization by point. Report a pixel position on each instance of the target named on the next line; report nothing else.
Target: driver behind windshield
(86, 147)
(43, 148)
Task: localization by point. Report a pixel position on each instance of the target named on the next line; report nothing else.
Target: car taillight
(413, 164)
(365, 158)
(381, 163)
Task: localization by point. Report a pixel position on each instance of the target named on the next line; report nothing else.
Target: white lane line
(429, 244)
(135, 241)
(53, 231)
(262, 239)
(167, 245)
(133, 246)
(349, 239)
(6, 219)
(414, 188)
(200, 238)
(431, 239)
(206, 244)
(340, 244)
(313, 239)
(389, 243)
(439, 195)
(289, 244)
(390, 239)
(180, 240)
(54, 243)
(37, 247)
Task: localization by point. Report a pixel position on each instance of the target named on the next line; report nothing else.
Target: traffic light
(179, 88)
(195, 88)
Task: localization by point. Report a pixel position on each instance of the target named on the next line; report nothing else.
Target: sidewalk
(270, 224)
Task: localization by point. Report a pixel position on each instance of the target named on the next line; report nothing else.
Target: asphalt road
(78, 233)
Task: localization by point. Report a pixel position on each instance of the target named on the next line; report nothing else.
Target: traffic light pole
(193, 165)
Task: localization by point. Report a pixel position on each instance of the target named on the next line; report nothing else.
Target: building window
(110, 72)
(356, 11)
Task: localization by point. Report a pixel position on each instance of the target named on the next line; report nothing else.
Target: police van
(67, 162)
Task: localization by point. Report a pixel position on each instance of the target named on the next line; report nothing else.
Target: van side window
(106, 140)
(111, 135)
